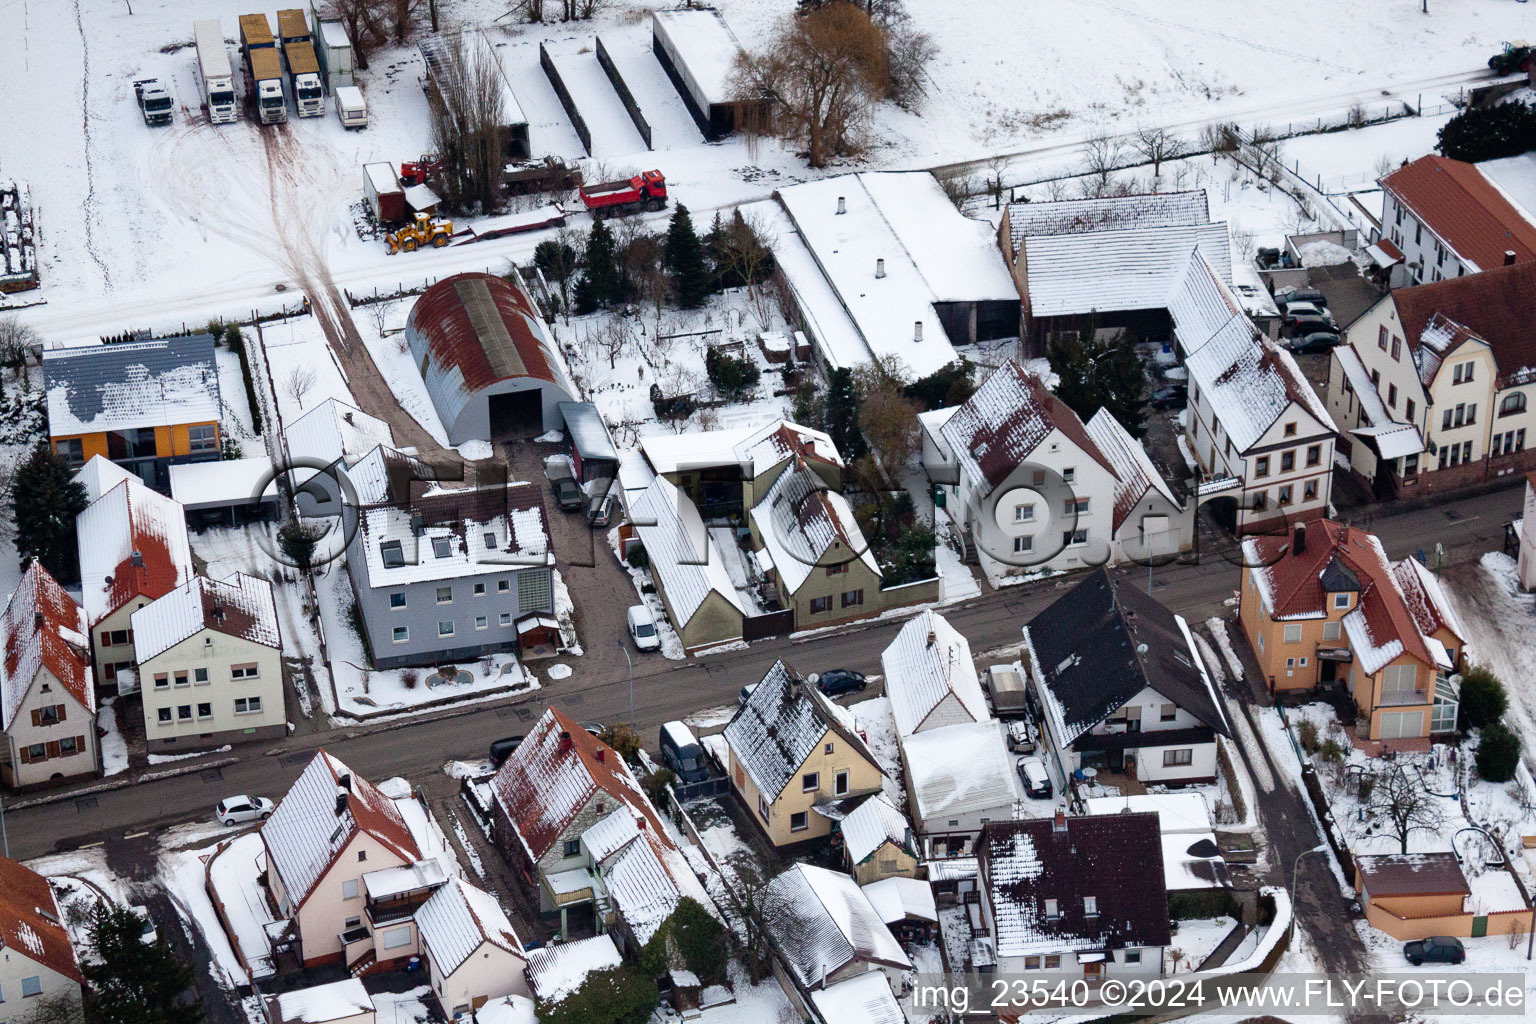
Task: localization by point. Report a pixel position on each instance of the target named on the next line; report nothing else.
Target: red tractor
(648, 190)
(416, 172)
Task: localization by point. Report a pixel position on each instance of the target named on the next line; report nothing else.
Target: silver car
(236, 810)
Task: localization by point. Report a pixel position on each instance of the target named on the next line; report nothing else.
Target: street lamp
(5, 839)
(623, 647)
(1295, 866)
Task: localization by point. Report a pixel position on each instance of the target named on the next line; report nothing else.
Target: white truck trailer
(334, 49)
(215, 72)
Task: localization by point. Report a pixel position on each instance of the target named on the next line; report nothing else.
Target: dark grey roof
(1089, 649)
(1337, 577)
(589, 434)
(781, 725)
(118, 386)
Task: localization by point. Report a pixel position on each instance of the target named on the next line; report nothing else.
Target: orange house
(1323, 607)
(141, 404)
(1416, 895)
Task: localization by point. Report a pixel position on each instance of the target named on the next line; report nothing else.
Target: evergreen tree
(1507, 129)
(46, 497)
(601, 268)
(1483, 700)
(685, 261)
(841, 415)
(557, 262)
(133, 982)
(1098, 373)
(1498, 753)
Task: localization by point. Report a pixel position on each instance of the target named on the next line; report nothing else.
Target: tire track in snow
(89, 206)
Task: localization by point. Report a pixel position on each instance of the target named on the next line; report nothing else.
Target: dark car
(568, 494)
(1302, 326)
(1437, 949)
(1285, 297)
(1317, 341)
(838, 681)
(502, 749)
(1173, 396)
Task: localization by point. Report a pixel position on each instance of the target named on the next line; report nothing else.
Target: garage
(486, 357)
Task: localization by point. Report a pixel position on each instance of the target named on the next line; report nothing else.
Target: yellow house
(1416, 895)
(794, 754)
(878, 842)
(141, 404)
(1324, 608)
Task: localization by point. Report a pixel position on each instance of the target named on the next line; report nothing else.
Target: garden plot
(382, 327)
(304, 370)
(613, 133)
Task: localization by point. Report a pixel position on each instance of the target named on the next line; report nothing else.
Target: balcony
(1403, 698)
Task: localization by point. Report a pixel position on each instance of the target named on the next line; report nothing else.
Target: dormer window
(490, 542)
(1091, 906)
(441, 547)
(392, 554)
(1051, 910)
(1340, 601)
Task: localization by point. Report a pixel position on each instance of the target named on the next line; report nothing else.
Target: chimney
(917, 330)
(1059, 823)
(341, 804)
(37, 619)
(565, 742)
(601, 752)
(1509, 257)
(138, 559)
(1299, 541)
(345, 782)
(879, 268)
(640, 822)
(842, 204)
(347, 416)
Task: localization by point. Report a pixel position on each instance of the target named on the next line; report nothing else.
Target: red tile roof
(43, 628)
(30, 922)
(547, 781)
(1497, 305)
(1457, 203)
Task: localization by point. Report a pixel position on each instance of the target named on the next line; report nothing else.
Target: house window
(179, 678)
(799, 821)
(32, 986)
(164, 716)
(1075, 506)
(1091, 906)
(247, 705)
(1290, 430)
(1471, 413)
(1284, 496)
(1178, 758)
(1381, 338)
(349, 888)
(401, 634)
(827, 749)
(1293, 632)
(482, 622)
(247, 671)
(1032, 963)
(853, 598)
(1341, 600)
(479, 590)
(70, 745)
(1287, 461)
(205, 711)
(1408, 410)
(837, 570)
(1309, 491)
(1053, 961)
(1397, 348)
(1462, 374)
(502, 586)
(203, 438)
(820, 605)
(71, 450)
(1512, 404)
(1398, 679)
(1168, 713)
(394, 938)
(762, 807)
(810, 782)
(1466, 451)
(441, 547)
(1376, 379)
(1051, 910)
(490, 542)
(445, 627)
(444, 595)
(1074, 538)
(39, 751)
(840, 783)
(572, 847)
(184, 712)
(200, 676)
(1331, 630)
(1261, 466)
(162, 681)
(1038, 477)
(1445, 420)
(1133, 956)
(352, 922)
(1022, 544)
(1069, 475)
(1392, 395)
(504, 619)
(392, 554)
(397, 601)
(1024, 513)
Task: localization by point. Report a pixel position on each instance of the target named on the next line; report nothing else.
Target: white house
(1449, 218)
(930, 677)
(826, 931)
(47, 693)
(37, 960)
(210, 664)
(1121, 686)
(958, 778)
(472, 953)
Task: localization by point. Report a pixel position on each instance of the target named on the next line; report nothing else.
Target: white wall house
(472, 953)
(37, 961)
(47, 691)
(1450, 218)
(210, 664)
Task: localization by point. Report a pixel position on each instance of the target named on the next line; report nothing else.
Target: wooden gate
(760, 627)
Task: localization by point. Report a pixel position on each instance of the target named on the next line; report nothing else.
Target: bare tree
(1402, 805)
(366, 25)
(57, 1008)
(956, 185)
(887, 417)
(613, 338)
(468, 123)
(1101, 156)
(820, 76)
(909, 51)
(1156, 146)
(16, 339)
(299, 381)
(743, 255)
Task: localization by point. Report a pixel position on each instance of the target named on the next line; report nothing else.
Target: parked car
(1173, 396)
(1317, 341)
(235, 810)
(1286, 296)
(502, 749)
(568, 494)
(1037, 781)
(1305, 325)
(593, 728)
(838, 681)
(147, 935)
(642, 627)
(681, 752)
(746, 693)
(602, 515)
(1021, 737)
(1298, 313)
(1437, 949)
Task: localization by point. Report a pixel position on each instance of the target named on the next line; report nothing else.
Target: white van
(642, 628)
(351, 111)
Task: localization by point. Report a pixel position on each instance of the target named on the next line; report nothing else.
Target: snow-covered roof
(405, 878)
(1177, 813)
(1135, 475)
(929, 664)
(846, 246)
(1426, 599)
(866, 999)
(801, 521)
(100, 474)
(453, 534)
(951, 869)
(1006, 419)
(589, 434)
(1391, 438)
(98, 388)
(956, 255)
(239, 606)
(705, 45)
(335, 430)
(682, 556)
(755, 449)
(458, 920)
(512, 1009)
(1192, 860)
(199, 485)
(133, 544)
(781, 725)
(960, 769)
(827, 321)
(476, 51)
(642, 890)
(43, 628)
(897, 898)
(1090, 216)
(824, 922)
(1125, 269)
(557, 971)
(311, 826)
(318, 1004)
(30, 922)
(871, 825)
(381, 176)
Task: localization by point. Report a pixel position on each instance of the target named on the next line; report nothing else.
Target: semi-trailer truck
(291, 27)
(217, 76)
(304, 78)
(263, 69)
(334, 49)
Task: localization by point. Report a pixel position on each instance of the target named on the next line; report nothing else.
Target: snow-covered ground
(875, 718)
(234, 876)
(114, 749)
(1502, 635)
(382, 327)
(1195, 940)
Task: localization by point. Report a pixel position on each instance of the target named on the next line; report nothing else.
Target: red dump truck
(648, 190)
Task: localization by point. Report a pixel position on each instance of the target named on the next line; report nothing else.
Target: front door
(1093, 970)
(1328, 674)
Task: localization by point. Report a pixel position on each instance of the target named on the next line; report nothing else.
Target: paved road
(418, 748)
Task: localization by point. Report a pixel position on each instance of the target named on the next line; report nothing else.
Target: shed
(592, 448)
(421, 199)
(340, 1002)
(698, 50)
(487, 359)
(225, 492)
(538, 636)
(385, 196)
